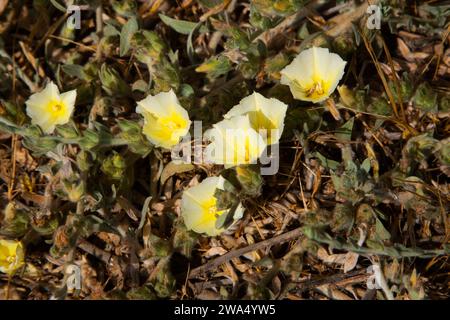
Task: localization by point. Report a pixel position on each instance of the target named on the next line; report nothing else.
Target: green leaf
(345, 131)
(327, 163)
(366, 165)
(112, 82)
(74, 70)
(215, 66)
(58, 6)
(180, 26)
(426, 98)
(128, 31)
(250, 179)
(380, 230)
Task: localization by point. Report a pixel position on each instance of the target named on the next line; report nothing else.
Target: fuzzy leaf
(128, 31)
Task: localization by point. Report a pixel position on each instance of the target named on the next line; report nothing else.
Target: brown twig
(95, 251)
(288, 236)
(335, 279)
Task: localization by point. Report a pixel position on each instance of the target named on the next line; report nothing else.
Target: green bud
(425, 98)
(215, 66)
(90, 139)
(32, 131)
(40, 145)
(75, 191)
(112, 82)
(250, 179)
(84, 160)
(68, 131)
(114, 166)
(15, 222)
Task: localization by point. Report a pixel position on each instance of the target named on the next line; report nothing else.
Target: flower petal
(264, 114)
(314, 74)
(49, 108)
(165, 120)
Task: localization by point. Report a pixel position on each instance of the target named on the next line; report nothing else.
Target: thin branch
(288, 236)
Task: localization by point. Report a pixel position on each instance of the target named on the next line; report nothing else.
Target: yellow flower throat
(210, 212)
(316, 88)
(55, 108)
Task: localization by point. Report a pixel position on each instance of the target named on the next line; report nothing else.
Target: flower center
(173, 125)
(57, 107)
(316, 88)
(210, 208)
(172, 122)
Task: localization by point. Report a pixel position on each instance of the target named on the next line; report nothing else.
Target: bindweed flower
(11, 256)
(165, 120)
(264, 114)
(49, 108)
(234, 142)
(314, 74)
(199, 207)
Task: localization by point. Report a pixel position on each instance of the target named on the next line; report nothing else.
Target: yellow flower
(314, 74)
(198, 207)
(11, 256)
(264, 114)
(49, 108)
(234, 142)
(165, 120)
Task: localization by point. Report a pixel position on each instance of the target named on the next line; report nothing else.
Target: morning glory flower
(11, 256)
(199, 207)
(165, 120)
(234, 142)
(264, 114)
(49, 108)
(314, 74)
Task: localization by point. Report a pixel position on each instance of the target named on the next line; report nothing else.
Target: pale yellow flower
(49, 108)
(165, 120)
(234, 142)
(266, 115)
(11, 256)
(314, 74)
(198, 207)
